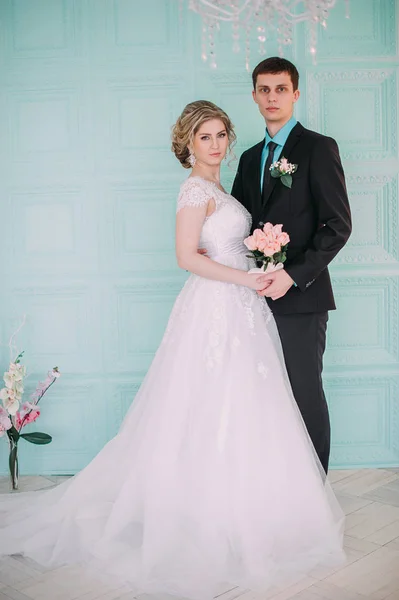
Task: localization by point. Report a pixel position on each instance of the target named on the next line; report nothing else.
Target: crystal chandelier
(249, 17)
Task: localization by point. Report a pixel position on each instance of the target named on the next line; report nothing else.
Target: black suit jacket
(314, 212)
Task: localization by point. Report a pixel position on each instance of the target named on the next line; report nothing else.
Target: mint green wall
(89, 91)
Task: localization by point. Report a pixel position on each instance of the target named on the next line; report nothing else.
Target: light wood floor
(370, 499)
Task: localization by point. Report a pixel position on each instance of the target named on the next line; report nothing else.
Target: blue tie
(266, 173)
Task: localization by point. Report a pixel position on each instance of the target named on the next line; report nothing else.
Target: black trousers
(303, 337)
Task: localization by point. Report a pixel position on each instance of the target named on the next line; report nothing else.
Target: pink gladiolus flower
(3, 429)
(32, 416)
(39, 391)
(28, 414)
(26, 407)
(277, 229)
(5, 421)
(44, 385)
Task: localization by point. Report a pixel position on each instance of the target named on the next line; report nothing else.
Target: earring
(191, 159)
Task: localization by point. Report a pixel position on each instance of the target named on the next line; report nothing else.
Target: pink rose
(270, 236)
(250, 243)
(283, 238)
(268, 240)
(259, 239)
(256, 241)
(277, 229)
(271, 249)
(284, 165)
(267, 227)
(268, 251)
(262, 245)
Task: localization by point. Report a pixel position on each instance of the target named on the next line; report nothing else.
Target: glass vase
(13, 463)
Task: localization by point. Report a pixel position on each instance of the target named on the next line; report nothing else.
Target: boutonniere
(283, 169)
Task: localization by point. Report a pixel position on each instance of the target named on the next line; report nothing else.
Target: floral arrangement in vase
(15, 414)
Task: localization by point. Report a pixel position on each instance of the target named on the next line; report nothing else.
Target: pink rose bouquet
(268, 246)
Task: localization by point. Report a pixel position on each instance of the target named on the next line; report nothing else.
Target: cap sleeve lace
(193, 193)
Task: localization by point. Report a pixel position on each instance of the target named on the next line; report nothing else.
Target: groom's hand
(280, 283)
(266, 280)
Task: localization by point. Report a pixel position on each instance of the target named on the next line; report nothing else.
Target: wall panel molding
(88, 188)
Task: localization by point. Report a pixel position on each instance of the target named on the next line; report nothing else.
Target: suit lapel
(255, 178)
(289, 145)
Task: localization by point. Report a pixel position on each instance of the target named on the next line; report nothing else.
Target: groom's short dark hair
(275, 65)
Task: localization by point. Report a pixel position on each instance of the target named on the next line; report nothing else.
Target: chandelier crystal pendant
(254, 18)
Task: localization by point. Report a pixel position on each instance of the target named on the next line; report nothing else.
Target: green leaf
(275, 173)
(37, 437)
(286, 180)
(18, 359)
(13, 433)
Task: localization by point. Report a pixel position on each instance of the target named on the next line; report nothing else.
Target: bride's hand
(257, 282)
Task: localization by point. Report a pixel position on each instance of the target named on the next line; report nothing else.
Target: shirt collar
(281, 136)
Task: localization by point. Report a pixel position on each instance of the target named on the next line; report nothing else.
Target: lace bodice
(224, 230)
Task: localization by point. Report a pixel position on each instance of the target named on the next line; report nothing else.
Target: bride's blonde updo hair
(189, 122)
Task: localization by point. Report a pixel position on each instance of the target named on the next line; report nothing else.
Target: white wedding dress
(212, 479)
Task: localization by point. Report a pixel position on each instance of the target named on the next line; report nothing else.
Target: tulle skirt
(212, 479)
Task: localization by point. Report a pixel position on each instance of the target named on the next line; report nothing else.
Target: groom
(315, 213)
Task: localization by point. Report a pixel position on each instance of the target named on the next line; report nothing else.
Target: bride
(212, 479)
